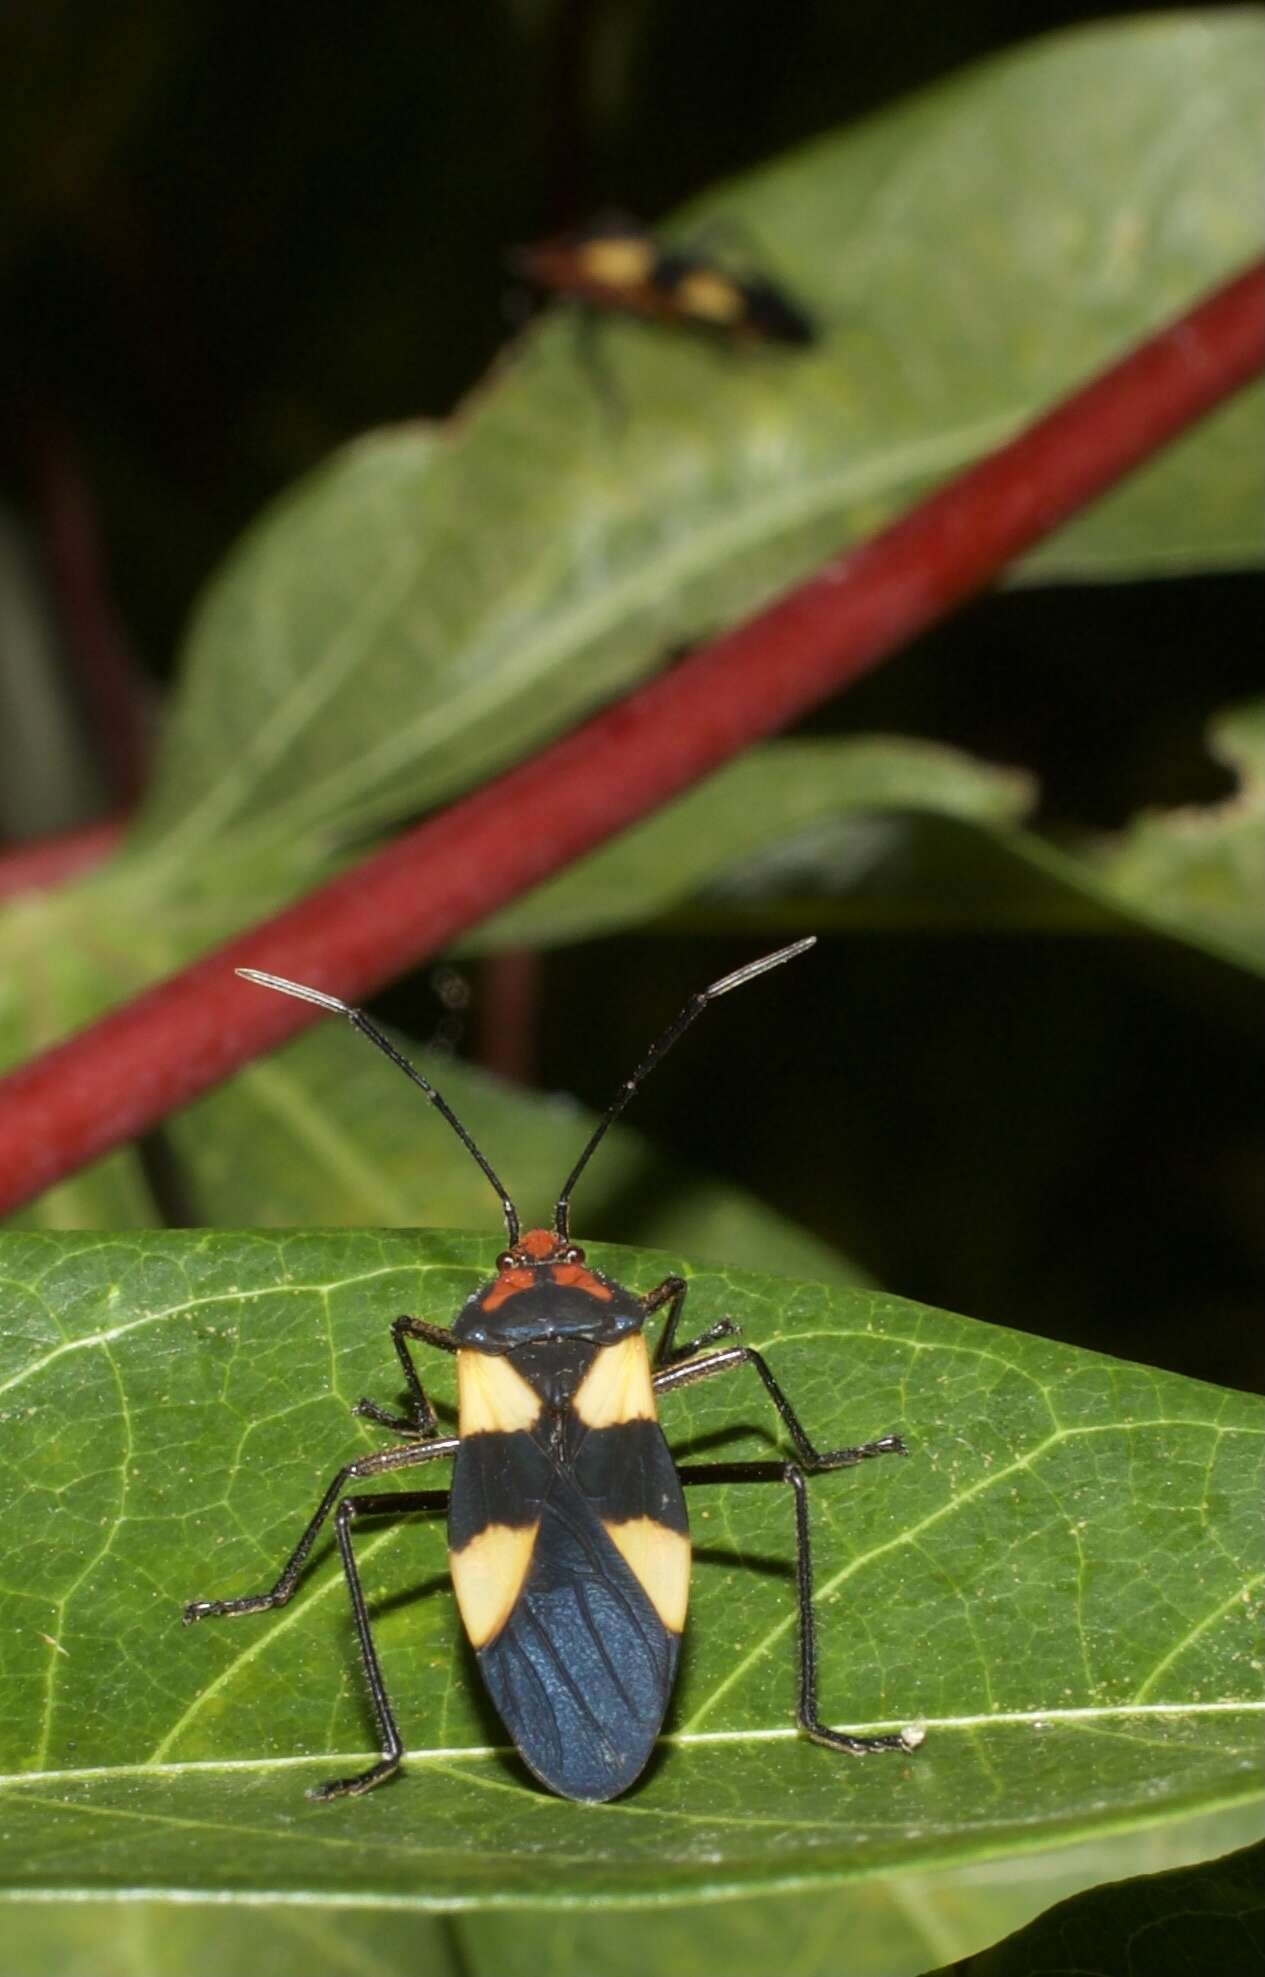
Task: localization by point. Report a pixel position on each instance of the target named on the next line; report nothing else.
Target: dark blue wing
(582, 1669)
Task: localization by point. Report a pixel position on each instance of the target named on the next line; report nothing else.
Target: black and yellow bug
(568, 1539)
(615, 264)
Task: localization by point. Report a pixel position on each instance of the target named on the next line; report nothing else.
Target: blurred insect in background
(617, 266)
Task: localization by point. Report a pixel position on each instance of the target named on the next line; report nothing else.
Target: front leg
(672, 1293)
(421, 1419)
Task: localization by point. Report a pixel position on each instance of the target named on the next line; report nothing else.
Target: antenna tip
(759, 967)
(297, 989)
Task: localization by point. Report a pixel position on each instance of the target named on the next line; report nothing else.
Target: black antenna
(694, 1007)
(359, 1021)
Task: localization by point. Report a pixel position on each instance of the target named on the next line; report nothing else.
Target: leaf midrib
(677, 1739)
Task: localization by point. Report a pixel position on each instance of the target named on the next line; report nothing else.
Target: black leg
(672, 1293)
(806, 1711)
(349, 1509)
(420, 1419)
(380, 1464)
(745, 1355)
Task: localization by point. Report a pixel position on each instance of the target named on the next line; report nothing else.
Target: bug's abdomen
(582, 1669)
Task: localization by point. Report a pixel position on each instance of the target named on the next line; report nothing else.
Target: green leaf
(877, 832)
(1061, 1581)
(891, 1925)
(1201, 871)
(1194, 874)
(425, 610)
(756, 826)
(880, 832)
(1205, 1921)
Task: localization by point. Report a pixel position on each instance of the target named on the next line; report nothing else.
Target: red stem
(124, 1073)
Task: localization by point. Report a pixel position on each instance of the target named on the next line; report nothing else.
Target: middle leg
(685, 1375)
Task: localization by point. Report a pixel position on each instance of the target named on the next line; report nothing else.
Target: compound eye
(505, 1261)
(573, 1254)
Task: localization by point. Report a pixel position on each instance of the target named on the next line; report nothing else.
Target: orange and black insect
(568, 1539)
(617, 265)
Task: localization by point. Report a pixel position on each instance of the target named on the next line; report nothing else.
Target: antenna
(694, 1007)
(359, 1021)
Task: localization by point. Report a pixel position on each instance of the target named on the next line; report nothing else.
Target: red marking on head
(540, 1243)
(508, 1284)
(576, 1277)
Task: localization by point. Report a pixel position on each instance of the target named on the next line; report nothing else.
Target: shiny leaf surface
(1062, 1582)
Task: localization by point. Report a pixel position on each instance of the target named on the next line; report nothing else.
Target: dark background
(231, 235)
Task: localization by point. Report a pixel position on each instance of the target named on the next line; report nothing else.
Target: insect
(568, 1540)
(618, 265)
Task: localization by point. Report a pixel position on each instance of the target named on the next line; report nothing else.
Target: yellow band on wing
(492, 1398)
(488, 1575)
(660, 1562)
(617, 1386)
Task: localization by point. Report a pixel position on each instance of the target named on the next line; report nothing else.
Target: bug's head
(538, 1249)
